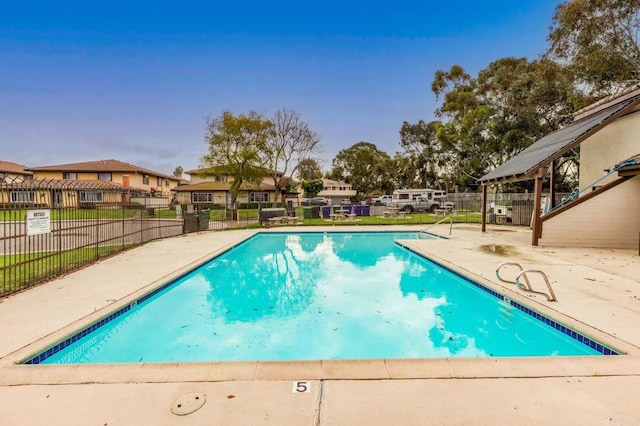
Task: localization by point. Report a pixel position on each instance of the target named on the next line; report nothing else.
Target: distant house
(605, 210)
(118, 172)
(336, 191)
(206, 187)
(87, 183)
(13, 172)
(59, 193)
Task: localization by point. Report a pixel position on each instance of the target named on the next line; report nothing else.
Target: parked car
(416, 204)
(421, 204)
(315, 201)
(382, 200)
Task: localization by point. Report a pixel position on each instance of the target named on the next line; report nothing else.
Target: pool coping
(10, 373)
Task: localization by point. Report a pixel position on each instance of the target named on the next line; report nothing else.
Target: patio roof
(551, 147)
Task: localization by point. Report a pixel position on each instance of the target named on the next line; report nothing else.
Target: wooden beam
(537, 203)
(483, 208)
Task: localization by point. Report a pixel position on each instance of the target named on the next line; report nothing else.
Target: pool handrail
(526, 286)
(424, 231)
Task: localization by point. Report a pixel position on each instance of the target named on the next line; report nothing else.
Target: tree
(423, 160)
(366, 168)
(599, 42)
(311, 188)
(237, 146)
(178, 171)
(489, 119)
(309, 169)
(292, 142)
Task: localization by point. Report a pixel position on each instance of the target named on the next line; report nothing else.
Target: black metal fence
(51, 227)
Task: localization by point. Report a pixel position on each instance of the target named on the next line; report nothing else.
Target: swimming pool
(318, 296)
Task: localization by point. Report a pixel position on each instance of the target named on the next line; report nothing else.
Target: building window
(145, 180)
(220, 178)
(258, 197)
(202, 197)
(91, 197)
(166, 182)
(159, 182)
(104, 176)
(2, 175)
(22, 196)
(71, 175)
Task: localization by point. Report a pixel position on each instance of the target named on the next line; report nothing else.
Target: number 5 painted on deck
(302, 386)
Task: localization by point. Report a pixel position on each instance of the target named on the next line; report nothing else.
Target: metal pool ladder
(424, 231)
(526, 285)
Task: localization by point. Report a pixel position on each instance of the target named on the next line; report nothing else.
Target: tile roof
(223, 186)
(204, 171)
(102, 166)
(629, 92)
(9, 167)
(331, 182)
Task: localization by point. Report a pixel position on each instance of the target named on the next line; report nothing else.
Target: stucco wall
(611, 220)
(614, 143)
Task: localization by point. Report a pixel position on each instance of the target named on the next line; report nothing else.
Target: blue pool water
(281, 296)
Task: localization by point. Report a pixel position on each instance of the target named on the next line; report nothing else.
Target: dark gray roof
(551, 147)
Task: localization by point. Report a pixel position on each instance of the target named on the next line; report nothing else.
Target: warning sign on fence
(38, 222)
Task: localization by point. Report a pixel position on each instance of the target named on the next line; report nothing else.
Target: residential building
(59, 193)
(336, 191)
(206, 187)
(120, 173)
(13, 172)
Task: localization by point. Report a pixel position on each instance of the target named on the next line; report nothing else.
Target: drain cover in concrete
(188, 403)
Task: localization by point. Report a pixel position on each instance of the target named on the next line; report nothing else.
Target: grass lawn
(410, 219)
(19, 270)
(213, 214)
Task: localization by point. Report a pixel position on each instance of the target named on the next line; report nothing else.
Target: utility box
(195, 222)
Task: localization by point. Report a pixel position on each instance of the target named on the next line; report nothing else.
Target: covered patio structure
(537, 161)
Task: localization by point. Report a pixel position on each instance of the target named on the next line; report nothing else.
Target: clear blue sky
(135, 80)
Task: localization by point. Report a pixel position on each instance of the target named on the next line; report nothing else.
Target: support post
(537, 203)
(483, 208)
(552, 184)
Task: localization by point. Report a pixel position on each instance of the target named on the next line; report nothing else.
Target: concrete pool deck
(598, 293)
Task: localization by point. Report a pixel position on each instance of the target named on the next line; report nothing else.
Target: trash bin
(307, 212)
(315, 212)
(203, 220)
(189, 223)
